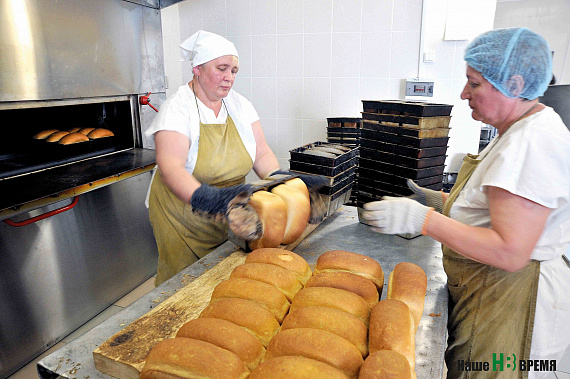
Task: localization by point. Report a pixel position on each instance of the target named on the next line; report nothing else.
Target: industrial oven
(74, 232)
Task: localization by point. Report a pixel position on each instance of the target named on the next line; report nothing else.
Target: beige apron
(183, 237)
(491, 311)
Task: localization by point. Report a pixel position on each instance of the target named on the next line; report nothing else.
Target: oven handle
(145, 100)
(31, 220)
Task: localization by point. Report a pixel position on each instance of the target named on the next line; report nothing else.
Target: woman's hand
(424, 196)
(395, 215)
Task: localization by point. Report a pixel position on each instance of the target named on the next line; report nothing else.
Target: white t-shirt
(532, 160)
(179, 114)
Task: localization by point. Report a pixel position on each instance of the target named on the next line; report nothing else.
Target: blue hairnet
(501, 54)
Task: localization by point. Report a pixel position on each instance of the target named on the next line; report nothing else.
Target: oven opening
(20, 153)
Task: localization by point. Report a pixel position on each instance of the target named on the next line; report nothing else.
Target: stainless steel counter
(341, 231)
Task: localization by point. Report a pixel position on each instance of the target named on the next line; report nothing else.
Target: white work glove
(395, 215)
(426, 196)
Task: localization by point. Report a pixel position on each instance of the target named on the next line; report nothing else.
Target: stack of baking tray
(401, 140)
(334, 161)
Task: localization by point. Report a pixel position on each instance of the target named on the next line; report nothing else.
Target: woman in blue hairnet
(506, 223)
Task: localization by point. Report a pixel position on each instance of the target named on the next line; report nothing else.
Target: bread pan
(344, 122)
(404, 140)
(407, 151)
(330, 172)
(379, 126)
(329, 190)
(402, 160)
(403, 107)
(412, 173)
(411, 122)
(321, 153)
(396, 179)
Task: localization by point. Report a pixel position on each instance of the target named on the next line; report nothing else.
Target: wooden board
(123, 355)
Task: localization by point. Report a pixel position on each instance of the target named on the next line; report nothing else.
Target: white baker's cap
(204, 46)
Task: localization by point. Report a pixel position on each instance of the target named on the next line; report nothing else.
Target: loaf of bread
(246, 313)
(392, 328)
(332, 298)
(319, 345)
(283, 258)
(408, 283)
(339, 260)
(385, 364)
(348, 281)
(45, 133)
(73, 138)
(181, 358)
(298, 211)
(298, 184)
(55, 137)
(280, 277)
(86, 131)
(226, 335)
(263, 293)
(74, 130)
(272, 212)
(341, 323)
(295, 367)
(100, 133)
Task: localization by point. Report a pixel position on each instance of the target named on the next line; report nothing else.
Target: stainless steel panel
(58, 273)
(54, 49)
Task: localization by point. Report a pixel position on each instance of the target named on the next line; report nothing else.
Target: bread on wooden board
(86, 131)
(298, 184)
(272, 212)
(55, 137)
(183, 358)
(45, 133)
(319, 345)
(392, 328)
(100, 133)
(408, 283)
(332, 298)
(348, 281)
(72, 138)
(341, 323)
(246, 313)
(263, 293)
(283, 258)
(340, 260)
(280, 277)
(385, 364)
(226, 335)
(298, 211)
(295, 367)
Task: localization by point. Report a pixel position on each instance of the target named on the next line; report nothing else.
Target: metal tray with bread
(329, 171)
(323, 154)
(406, 121)
(378, 126)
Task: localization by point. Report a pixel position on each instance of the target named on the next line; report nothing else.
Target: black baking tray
(371, 186)
(417, 133)
(404, 140)
(396, 179)
(344, 131)
(309, 168)
(415, 108)
(402, 160)
(329, 190)
(412, 173)
(346, 122)
(301, 154)
(407, 151)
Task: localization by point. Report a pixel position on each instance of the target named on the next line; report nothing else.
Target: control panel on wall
(418, 87)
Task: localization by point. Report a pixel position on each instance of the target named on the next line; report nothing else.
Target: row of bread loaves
(230, 337)
(74, 135)
(324, 335)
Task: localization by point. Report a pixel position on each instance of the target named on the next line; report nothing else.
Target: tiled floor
(29, 371)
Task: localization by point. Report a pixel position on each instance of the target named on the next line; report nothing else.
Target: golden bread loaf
(298, 184)
(319, 345)
(246, 313)
(332, 298)
(341, 323)
(72, 138)
(86, 131)
(272, 212)
(392, 328)
(263, 293)
(298, 211)
(280, 277)
(408, 283)
(289, 367)
(226, 335)
(339, 260)
(55, 137)
(348, 281)
(189, 358)
(45, 133)
(74, 130)
(385, 364)
(100, 133)
(283, 258)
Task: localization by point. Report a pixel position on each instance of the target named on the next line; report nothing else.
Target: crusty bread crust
(288, 367)
(283, 258)
(72, 138)
(298, 211)
(348, 281)
(45, 133)
(384, 364)
(408, 283)
(100, 133)
(280, 277)
(55, 137)
(272, 212)
(340, 260)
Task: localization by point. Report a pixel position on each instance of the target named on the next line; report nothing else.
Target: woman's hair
(516, 61)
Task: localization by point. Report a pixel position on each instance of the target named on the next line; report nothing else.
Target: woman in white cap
(506, 223)
(208, 138)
